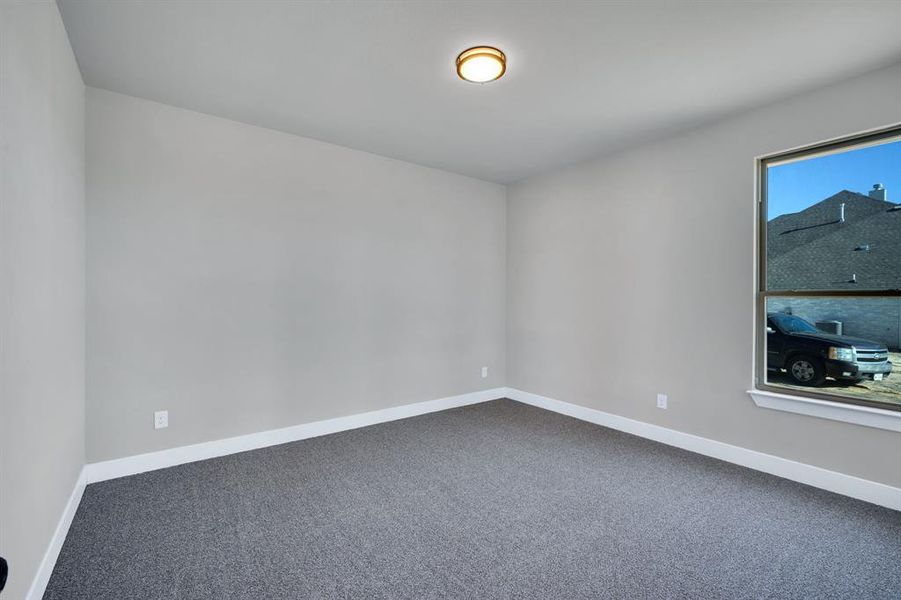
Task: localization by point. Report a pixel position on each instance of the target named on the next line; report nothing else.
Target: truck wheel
(806, 370)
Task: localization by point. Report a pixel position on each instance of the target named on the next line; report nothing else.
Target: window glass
(831, 221)
(830, 296)
(836, 346)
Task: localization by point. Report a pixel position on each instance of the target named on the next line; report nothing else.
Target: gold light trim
(481, 64)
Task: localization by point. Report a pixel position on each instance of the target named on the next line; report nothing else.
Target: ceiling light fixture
(481, 64)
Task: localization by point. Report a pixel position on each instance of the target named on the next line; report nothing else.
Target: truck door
(774, 346)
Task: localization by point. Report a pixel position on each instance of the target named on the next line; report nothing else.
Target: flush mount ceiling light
(481, 64)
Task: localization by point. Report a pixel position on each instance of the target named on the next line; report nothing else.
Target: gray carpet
(498, 500)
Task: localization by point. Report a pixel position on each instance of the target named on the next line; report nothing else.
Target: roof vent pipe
(841, 218)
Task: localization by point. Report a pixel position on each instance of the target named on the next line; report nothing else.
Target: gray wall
(41, 282)
(633, 274)
(876, 319)
(246, 279)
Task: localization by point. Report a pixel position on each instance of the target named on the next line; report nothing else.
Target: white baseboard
(42, 577)
(141, 463)
(847, 485)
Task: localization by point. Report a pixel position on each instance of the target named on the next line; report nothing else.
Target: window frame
(871, 137)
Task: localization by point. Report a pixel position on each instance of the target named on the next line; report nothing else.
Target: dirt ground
(887, 390)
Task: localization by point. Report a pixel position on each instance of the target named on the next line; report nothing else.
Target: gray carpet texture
(495, 500)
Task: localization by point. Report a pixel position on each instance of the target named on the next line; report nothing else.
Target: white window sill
(824, 409)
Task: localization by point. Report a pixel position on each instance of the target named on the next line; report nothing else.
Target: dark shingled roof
(813, 250)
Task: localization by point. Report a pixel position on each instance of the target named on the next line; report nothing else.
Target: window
(829, 295)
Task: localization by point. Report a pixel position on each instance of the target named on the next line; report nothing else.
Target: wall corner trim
(45, 569)
(839, 483)
(132, 465)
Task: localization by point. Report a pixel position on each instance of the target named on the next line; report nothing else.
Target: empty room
(450, 299)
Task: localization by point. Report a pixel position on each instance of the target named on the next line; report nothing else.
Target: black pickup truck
(808, 356)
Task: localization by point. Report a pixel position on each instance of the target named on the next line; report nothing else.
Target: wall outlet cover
(484, 372)
(661, 400)
(161, 419)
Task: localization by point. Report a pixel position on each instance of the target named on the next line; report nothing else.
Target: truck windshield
(792, 324)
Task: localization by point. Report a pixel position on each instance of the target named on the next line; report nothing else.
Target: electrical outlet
(484, 372)
(161, 419)
(661, 401)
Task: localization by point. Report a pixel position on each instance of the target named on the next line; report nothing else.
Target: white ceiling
(582, 78)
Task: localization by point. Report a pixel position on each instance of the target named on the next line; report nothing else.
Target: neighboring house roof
(814, 250)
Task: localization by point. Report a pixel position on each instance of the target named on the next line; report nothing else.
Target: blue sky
(795, 186)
